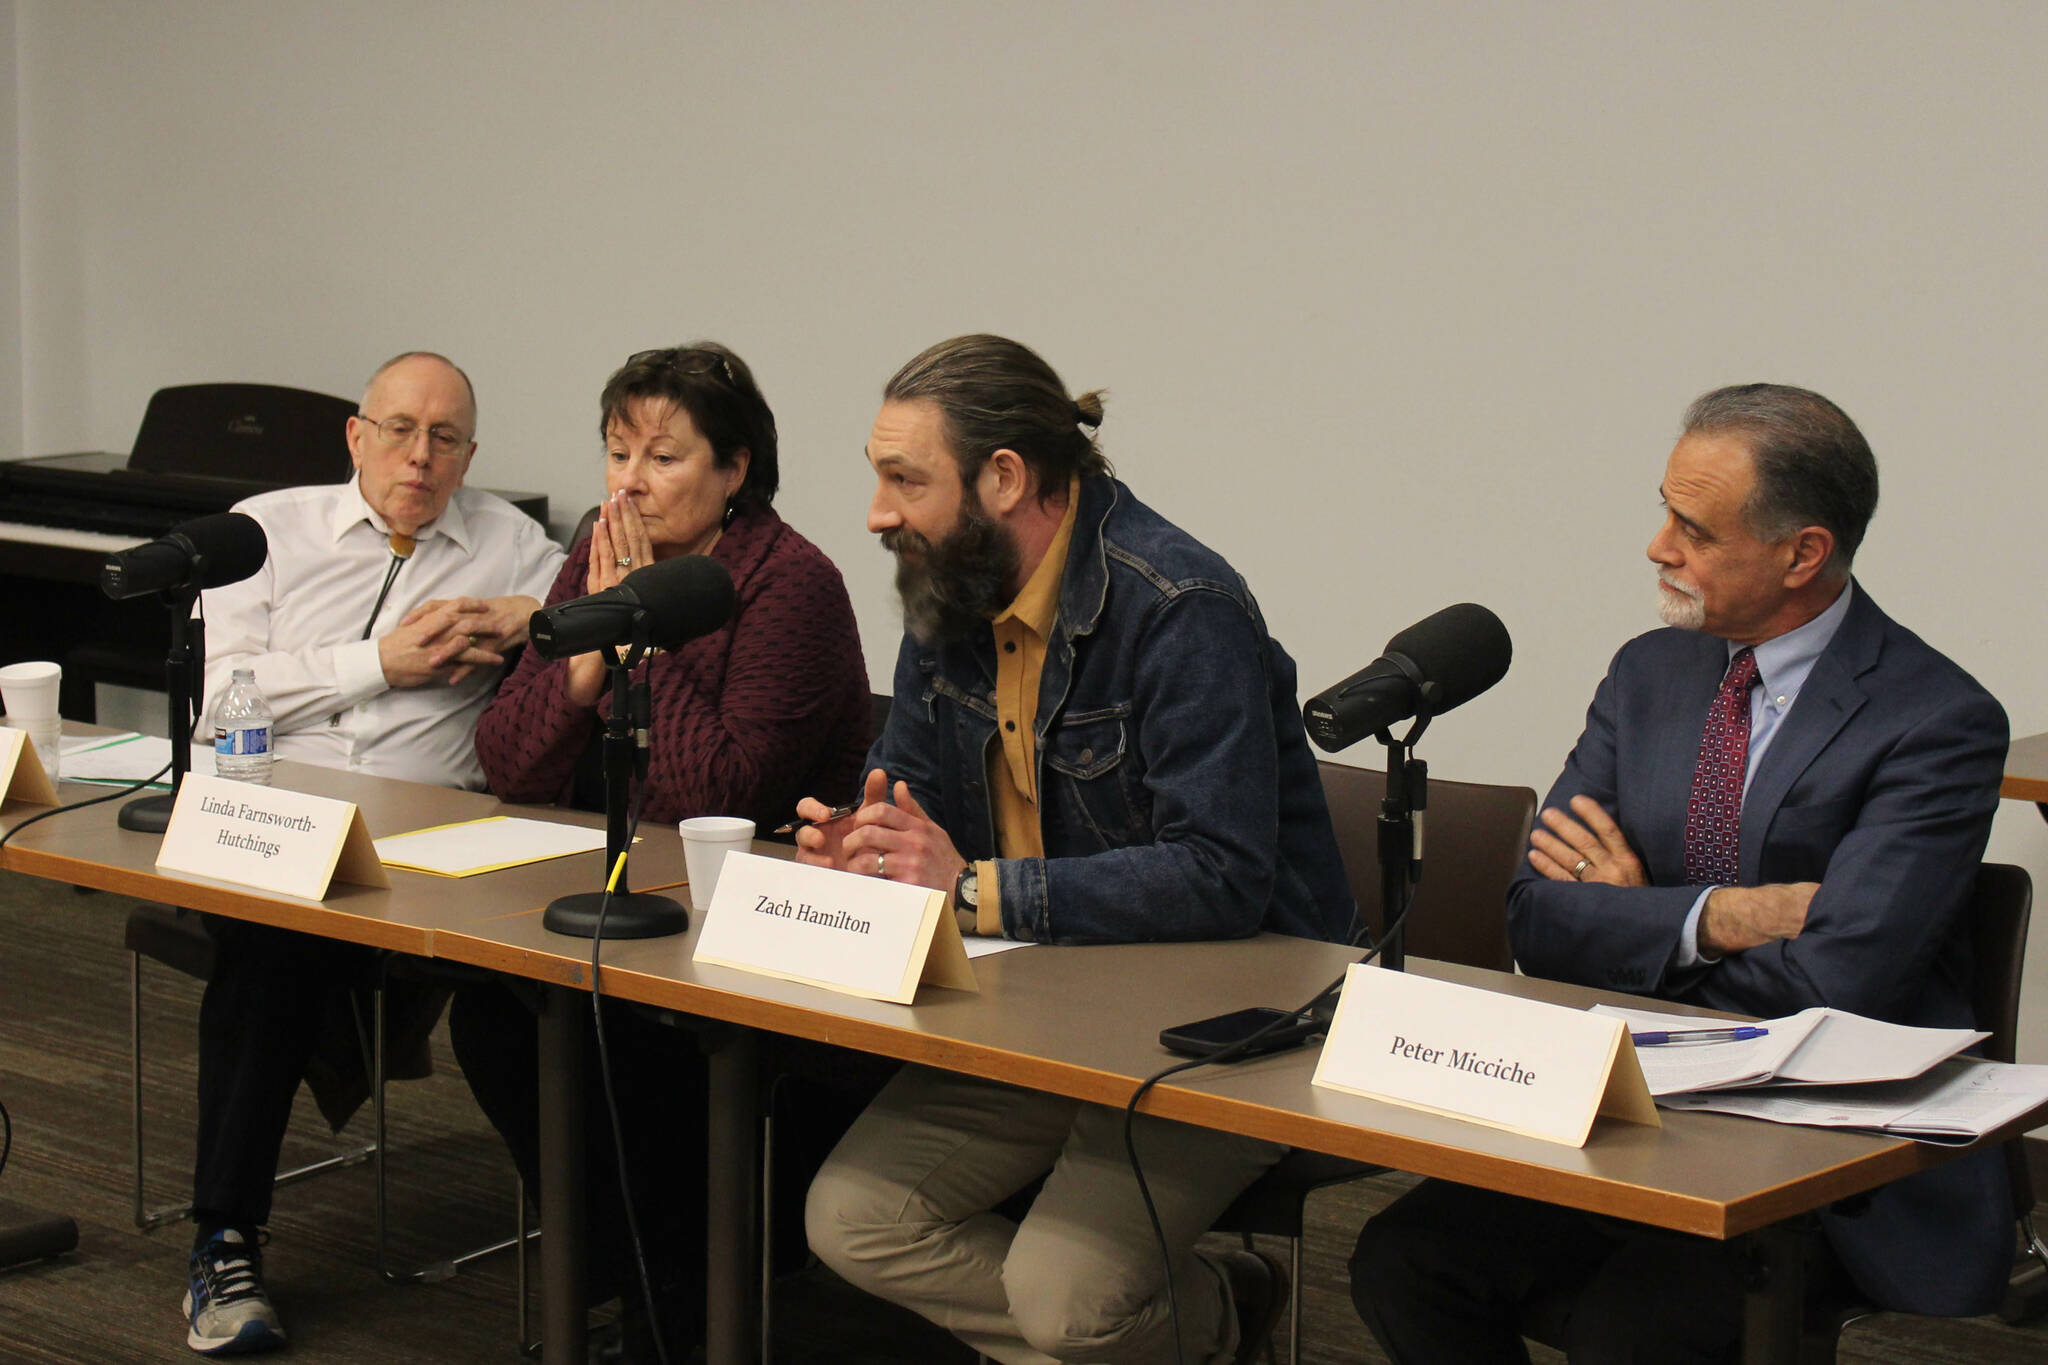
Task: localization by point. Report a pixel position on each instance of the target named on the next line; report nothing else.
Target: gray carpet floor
(64, 1077)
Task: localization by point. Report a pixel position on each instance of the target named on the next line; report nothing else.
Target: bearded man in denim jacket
(1093, 740)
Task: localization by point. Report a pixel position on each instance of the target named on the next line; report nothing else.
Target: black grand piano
(201, 448)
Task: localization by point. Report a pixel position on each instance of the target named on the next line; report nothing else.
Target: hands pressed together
(444, 641)
(896, 841)
(1592, 848)
(619, 544)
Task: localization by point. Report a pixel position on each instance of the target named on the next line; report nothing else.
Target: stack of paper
(1813, 1047)
(1957, 1102)
(486, 845)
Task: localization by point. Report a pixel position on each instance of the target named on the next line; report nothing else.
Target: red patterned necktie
(1713, 818)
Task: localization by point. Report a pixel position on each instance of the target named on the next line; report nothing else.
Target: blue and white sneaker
(225, 1302)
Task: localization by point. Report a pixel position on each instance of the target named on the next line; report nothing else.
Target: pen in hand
(836, 813)
(1699, 1035)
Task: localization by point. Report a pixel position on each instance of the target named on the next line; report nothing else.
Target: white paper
(1848, 1048)
(121, 760)
(481, 845)
(1678, 1068)
(1813, 1047)
(978, 946)
(1960, 1100)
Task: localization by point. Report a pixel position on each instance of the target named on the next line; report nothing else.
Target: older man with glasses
(376, 630)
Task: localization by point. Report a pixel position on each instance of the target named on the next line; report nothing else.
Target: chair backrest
(1474, 838)
(584, 525)
(1998, 912)
(878, 710)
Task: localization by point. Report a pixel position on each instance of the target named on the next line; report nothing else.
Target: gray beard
(1686, 613)
(952, 590)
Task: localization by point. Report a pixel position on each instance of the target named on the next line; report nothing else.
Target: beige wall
(10, 245)
(1398, 305)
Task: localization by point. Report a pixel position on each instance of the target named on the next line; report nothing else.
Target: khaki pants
(902, 1210)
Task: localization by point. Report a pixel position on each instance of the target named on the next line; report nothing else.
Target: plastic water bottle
(241, 732)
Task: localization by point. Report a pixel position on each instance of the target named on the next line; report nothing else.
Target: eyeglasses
(443, 442)
(691, 362)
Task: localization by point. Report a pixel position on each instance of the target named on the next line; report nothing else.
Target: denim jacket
(1177, 795)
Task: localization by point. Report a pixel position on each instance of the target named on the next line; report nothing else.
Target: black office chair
(1999, 909)
(1478, 835)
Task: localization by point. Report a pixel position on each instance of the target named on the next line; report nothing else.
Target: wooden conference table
(2026, 771)
(1081, 1022)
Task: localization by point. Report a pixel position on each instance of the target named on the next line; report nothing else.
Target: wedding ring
(882, 866)
(1579, 872)
(624, 561)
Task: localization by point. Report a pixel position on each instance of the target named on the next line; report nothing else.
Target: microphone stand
(633, 914)
(184, 680)
(1402, 812)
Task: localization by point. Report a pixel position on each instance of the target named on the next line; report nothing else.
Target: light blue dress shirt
(1783, 665)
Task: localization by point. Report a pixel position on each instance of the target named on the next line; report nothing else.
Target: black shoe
(1258, 1293)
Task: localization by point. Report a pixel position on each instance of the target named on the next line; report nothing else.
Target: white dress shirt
(299, 623)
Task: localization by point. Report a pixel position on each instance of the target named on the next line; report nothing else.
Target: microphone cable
(1234, 1052)
(604, 1071)
(113, 795)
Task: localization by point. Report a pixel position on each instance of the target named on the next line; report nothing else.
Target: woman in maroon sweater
(770, 707)
(747, 719)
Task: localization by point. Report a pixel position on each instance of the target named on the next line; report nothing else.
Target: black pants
(659, 1079)
(1451, 1273)
(259, 1022)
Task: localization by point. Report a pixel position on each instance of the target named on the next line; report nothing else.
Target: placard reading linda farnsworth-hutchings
(268, 838)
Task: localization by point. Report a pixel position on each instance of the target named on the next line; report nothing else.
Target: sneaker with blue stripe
(229, 1312)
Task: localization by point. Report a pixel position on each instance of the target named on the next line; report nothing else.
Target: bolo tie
(401, 550)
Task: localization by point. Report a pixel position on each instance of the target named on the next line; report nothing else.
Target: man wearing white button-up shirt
(376, 626)
(376, 630)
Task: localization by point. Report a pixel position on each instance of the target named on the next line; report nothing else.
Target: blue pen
(1700, 1035)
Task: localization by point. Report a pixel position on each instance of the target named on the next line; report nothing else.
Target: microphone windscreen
(232, 542)
(1463, 649)
(685, 597)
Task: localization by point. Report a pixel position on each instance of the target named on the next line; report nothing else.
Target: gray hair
(998, 394)
(1813, 467)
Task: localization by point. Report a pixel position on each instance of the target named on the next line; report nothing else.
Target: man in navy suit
(1780, 801)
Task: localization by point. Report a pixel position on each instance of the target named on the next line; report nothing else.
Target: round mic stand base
(29, 1236)
(148, 814)
(635, 914)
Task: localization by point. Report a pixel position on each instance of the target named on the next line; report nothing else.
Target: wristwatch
(967, 900)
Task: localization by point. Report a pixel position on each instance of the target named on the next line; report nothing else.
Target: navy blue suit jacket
(1880, 784)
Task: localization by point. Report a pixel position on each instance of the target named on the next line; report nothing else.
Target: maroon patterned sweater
(771, 707)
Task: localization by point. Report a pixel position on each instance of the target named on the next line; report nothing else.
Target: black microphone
(674, 601)
(206, 552)
(1440, 662)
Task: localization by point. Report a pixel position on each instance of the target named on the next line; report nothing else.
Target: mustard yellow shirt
(1022, 632)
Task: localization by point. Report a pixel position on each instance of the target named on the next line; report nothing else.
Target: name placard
(860, 935)
(268, 838)
(1523, 1065)
(27, 781)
